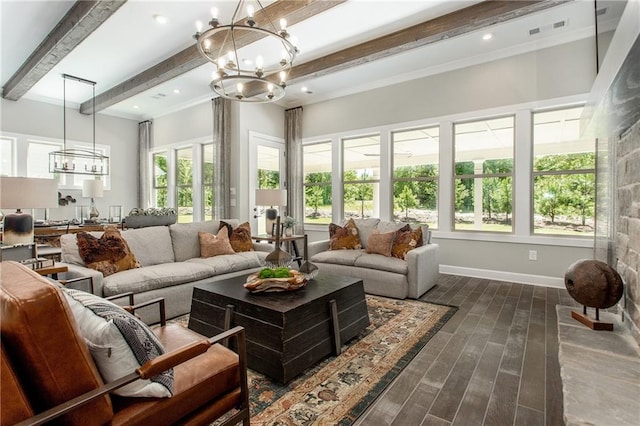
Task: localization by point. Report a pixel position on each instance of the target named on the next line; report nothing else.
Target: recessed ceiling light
(160, 19)
(247, 61)
(136, 107)
(487, 36)
(306, 90)
(176, 91)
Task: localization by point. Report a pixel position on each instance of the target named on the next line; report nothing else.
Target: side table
(284, 239)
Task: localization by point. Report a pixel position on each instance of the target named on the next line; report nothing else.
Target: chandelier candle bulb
(283, 24)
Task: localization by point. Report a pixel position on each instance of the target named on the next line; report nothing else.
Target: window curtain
(222, 156)
(144, 181)
(295, 178)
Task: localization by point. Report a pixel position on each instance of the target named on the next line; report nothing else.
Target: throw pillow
(380, 243)
(215, 245)
(119, 343)
(108, 254)
(344, 237)
(406, 239)
(240, 237)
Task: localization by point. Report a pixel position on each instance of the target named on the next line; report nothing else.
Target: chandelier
(77, 161)
(253, 76)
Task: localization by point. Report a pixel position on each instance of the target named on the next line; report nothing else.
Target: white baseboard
(540, 280)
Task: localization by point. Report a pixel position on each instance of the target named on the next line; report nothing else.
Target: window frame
(361, 181)
(306, 185)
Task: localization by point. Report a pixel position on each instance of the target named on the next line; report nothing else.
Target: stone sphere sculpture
(593, 283)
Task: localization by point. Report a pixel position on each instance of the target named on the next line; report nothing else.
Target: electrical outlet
(533, 255)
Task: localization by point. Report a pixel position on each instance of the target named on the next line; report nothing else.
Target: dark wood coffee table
(286, 332)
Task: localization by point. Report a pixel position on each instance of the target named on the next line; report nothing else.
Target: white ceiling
(132, 41)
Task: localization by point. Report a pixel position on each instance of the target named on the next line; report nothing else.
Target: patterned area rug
(340, 389)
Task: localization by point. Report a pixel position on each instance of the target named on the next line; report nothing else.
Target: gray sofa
(383, 276)
(170, 265)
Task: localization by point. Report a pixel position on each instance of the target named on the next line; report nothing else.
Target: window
(7, 147)
(563, 174)
(483, 181)
(160, 182)
(184, 184)
(361, 176)
(268, 167)
(415, 175)
(317, 183)
(207, 180)
(38, 158)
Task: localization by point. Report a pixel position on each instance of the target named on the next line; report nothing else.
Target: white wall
(41, 119)
(561, 71)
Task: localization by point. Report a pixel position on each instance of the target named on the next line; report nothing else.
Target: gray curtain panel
(144, 183)
(222, 157)
(295, 178)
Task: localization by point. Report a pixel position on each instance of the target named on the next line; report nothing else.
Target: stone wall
(628, 224)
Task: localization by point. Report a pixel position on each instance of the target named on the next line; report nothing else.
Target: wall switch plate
(533, 255)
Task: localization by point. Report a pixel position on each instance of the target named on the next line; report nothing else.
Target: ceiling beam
(81, 20)
(447, 26)
(293, 10)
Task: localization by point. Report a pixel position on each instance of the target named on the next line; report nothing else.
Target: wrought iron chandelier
(261, 78)
(78, 161)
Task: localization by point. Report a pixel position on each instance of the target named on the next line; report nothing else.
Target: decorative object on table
(78, 161)
(237, 78)
(141, 218)
(24, 193)
(593, 284)
(272, 198)
(287, 224)
(93, 188)
(115, 214)
(278, 258)
(278, 279)
(64, 201)
(308, 269)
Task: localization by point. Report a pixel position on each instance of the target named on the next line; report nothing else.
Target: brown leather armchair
(46, 359)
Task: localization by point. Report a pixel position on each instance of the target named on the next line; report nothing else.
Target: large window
(160, 182)
(415, 175)
(361, 176)
(317, 183)
(184, 184)
(483, 181)
(207, 180)
(7, 147)
(38, 158)
(563, 174)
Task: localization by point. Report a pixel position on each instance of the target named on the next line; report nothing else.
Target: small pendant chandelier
(78, 161)
(248, 79)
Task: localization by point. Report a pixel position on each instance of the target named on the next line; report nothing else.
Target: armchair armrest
(317, 247)
(149, 369)
(131, 308)
(79, 279)
(77, 271)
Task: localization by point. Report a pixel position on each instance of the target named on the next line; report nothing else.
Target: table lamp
(24, 193)
(271, 198)
(93, 188)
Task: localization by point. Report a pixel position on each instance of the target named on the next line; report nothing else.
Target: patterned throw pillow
(215, 245)
(380, 243)
(344, 237)
(108, 254)
(406, 239)
(239, 237)
(119, 343)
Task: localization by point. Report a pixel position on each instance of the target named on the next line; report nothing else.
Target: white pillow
(119, 343)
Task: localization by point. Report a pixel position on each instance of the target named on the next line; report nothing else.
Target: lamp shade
(271, 197)
(92, 188)
(28, 193)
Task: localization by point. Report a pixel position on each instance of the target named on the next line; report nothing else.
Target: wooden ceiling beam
(293, 10)
(81, 20)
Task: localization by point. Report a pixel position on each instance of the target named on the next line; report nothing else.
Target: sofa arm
(77, 271)
(263, 247)
(423, 265)
(317, 247)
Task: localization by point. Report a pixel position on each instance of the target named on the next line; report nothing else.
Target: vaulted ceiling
(145, 69)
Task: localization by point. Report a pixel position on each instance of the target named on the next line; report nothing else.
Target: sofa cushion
(69, 246)
(406, 239)
(342, 257)
(232, 262)
(344, 237)
(382, 263)
(240, 236)
(140, 241)
(380, 243)
(215, 245)
(119, 343)
(184, 238)
(153, 277)
(365, 228)
(108, 254)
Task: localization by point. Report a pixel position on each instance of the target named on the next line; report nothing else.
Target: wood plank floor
(495, 362)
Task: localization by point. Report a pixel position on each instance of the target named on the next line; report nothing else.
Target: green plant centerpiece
(275, 279)
(140, 218)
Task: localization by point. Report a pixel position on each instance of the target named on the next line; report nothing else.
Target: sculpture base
(592, 324)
